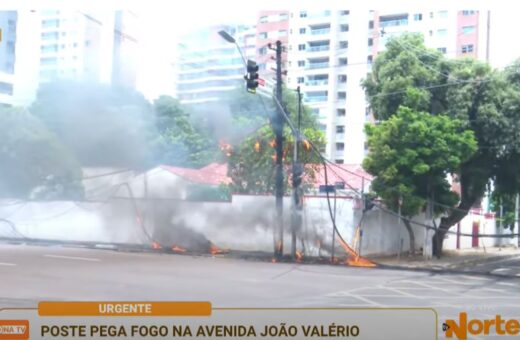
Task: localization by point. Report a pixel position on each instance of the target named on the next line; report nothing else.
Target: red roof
(351, 174)
(213, 174)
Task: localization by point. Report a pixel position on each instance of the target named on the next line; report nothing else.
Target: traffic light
(252, 76)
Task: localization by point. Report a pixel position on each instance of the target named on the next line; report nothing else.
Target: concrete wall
(245, 223)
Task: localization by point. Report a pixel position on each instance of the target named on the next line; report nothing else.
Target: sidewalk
(451, 259)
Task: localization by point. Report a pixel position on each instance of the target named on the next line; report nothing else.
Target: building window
(49, 35)
(301, 63)
(303, 14)
(343, 61)
(262, 51)
(443, 50)
(371, 24)
(369, 59)
(370, 41)
(342, 78)
(343, 28)
(302, 30)
(431, 33)
(467, 13)
(301, 80)
(442, 32)
(284, 17)
(6, 88)
(339, 161)
(344, 12)
(340, 129)
(342, 95)
(11, 26)
(301, 47)
(263, 19)
(262, 35)
(343, 44)
(340, 112)
(431, 15)
(443, 14)
(10, 47)
(282, 33)
(50, 23)
(340, 146)
(468, 29)
(467, 48)
(417, 17)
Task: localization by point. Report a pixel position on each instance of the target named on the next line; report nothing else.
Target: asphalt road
(29, 274)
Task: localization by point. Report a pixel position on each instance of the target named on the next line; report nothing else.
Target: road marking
(7, 264)
(73, 258)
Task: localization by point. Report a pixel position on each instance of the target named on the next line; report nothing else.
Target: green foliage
(252, 168)
(179, 143)
(33, 163)
(411, 154)
(400, 73)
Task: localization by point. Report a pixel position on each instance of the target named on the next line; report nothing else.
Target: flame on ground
(214, 250)
(273, 260)
(354, 258)
(257, 146)
(178, 249)
(156, 245)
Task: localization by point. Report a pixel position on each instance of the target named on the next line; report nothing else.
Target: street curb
(455, 269)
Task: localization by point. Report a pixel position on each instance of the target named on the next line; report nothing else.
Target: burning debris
(177, 249)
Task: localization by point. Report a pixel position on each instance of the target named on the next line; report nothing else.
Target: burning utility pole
(278, 123)
(297, 173)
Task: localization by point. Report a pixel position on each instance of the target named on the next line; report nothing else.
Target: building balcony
(319, 48)
(316, 99)
(318, 65)
(320, 31)
(393, 23)
(316, 82)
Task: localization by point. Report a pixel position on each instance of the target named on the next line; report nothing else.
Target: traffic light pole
(278, 130)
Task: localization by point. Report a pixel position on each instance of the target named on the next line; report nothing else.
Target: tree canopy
(484, 100)
(252, 160)
(33, 162)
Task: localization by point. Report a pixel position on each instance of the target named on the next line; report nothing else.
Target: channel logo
(14, 329)
(496, 326)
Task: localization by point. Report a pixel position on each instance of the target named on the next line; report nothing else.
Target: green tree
(179, 142)
(252, 160)
(33, 163)
(411, 155)
(408, 74)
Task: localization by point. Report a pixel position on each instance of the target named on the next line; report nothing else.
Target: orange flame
(257, 146)
(355, 260)
(178, 249)
(299, 256)
(156, 245)
(225, 148)
(306, 145)
(273, 260)
(214, 250)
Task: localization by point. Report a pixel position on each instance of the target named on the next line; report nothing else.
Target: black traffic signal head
(252, 76)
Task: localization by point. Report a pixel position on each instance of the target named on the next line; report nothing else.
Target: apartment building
(271, 26)
(8, 24)
(208, 66)
(327, 59)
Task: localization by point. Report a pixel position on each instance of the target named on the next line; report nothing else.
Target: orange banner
(14, 329)
(121, 308)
